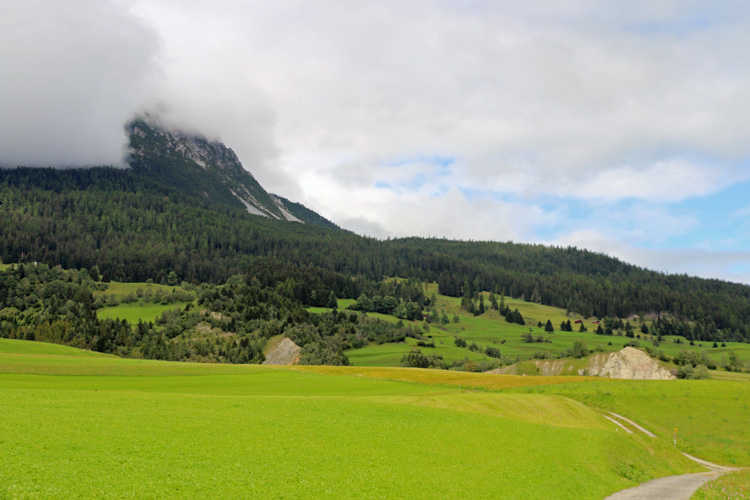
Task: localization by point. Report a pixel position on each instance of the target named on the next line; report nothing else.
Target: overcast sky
(619, 126)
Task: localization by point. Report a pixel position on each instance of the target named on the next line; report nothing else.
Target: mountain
(187, 210)
(207, 169)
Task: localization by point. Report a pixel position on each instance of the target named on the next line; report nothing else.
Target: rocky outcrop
(285, 352)
(208, 169)
(629, 363)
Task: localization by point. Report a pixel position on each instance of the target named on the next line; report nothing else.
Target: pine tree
(332, 302)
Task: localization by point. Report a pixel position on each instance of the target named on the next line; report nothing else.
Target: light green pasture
(183, 430)
(491, 330)
(137, 311)
(711, 416)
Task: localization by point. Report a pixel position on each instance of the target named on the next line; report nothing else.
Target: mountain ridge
(209, 169)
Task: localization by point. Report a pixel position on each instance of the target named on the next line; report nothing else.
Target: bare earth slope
(628, 363)
(286, 352)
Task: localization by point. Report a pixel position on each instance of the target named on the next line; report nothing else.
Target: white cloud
(73, 73)
(531, 100)
(599, 102)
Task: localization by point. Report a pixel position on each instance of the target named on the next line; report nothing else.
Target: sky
(618, 126)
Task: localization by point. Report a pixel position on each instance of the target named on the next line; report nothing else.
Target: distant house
(579, 321)
(594, 322)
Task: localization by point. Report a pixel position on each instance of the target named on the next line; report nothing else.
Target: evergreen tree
(333, 302)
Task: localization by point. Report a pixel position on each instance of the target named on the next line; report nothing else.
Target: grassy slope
(155, 429)
(11, 346)
(734, 486)
(136, 311)
(491, 329)
(711, 415)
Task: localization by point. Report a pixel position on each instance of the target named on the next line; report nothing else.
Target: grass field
(491, 330)
(710, 416)
(735, 486)
(137, 311)
(81, 425)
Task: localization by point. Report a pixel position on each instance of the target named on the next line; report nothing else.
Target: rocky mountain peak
(208, 169)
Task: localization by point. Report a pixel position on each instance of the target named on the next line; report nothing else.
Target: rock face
(629, 363)
(206, 169)
(285, 352)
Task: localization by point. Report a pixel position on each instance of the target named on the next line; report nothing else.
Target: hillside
(188, 212)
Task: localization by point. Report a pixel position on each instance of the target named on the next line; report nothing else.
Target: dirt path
(646, 432)
(672, 487)
(667, 488)
(617, 422)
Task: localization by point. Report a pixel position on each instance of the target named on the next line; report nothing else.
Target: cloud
(671, 180)
(622, 109)
(73, 74)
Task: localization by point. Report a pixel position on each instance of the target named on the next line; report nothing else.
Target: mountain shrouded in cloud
(481, 120)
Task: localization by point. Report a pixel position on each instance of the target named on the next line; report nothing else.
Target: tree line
(134, 228)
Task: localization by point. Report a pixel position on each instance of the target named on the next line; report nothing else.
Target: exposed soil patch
(285, 352)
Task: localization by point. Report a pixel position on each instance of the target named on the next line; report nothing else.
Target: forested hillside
(135, 228)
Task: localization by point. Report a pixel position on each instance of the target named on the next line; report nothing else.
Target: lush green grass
(137, 311)
(4, 267)
(671, 348)
(735, 486)
(391, 354)
(491, 330)
(722, 375)
(145, 429)
(487, 330)
(711, 416)
(11, 346)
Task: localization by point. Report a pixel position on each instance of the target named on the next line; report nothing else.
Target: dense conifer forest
(133, 227)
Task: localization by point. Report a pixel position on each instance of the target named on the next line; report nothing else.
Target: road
(672, 487)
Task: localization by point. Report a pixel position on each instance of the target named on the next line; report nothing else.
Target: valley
(137, 307)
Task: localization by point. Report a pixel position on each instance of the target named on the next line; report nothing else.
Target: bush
(579, 349)
(493, 352)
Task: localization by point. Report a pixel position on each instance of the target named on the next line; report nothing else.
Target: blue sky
(617, 126)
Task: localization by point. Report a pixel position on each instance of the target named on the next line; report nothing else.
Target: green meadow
(491, 330)
(82, 425)
(734, 486)
(137, 311)
(140, 310)
(710, 416)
